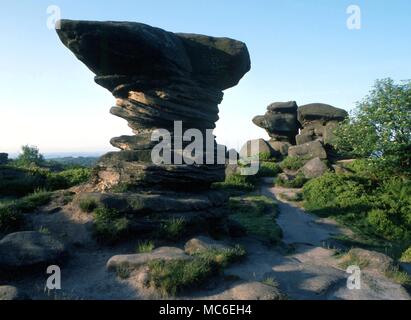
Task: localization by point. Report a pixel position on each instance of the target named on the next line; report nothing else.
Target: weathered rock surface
(140, 259)
(314, 168)
(249, 291)
(308, 150)
(203, 243)
(320, 111)
(280, 147)
(254, 148)
(29, 249)
(158, 78)
(280, 121)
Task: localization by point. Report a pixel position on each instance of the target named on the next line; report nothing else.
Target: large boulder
(308, 150)
(320, 111)
(29, 249)
(280, 147)
(254, 148)
(202, 243)
(11, 293)
(280, 121)
(314, 168)
(249, 291)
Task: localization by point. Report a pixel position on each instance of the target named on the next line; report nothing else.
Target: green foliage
(380, 128)
(109, 225)
(292, 163)
(380, 209)
(264, 156)
(256, 214)
(20, 181)
(123, 271)
(10, 218)
(173, 229)
(29, 156)
(406, 256)
(145, 246)
(171, 277)
(237, 182)
(297, 182)
(33, 201)
(68, 178)
(268, 169)
(88, 205)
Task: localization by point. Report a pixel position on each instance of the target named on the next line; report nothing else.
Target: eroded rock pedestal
(158, 78)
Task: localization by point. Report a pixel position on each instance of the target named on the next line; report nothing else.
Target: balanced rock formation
(318, 122)
(280, 121)
(306, 132)
(158, 78)
(162, 82)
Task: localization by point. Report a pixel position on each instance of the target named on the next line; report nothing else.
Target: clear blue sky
(300, 50)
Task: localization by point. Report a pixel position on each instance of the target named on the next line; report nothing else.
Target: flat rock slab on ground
(249, 291)
(10, 293)
(140, 259)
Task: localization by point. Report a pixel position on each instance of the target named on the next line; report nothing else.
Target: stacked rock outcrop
(280, 122)
(159, 79)
(306, 131)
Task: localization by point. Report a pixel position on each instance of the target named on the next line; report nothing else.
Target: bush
(297, 182)
(88, 205)
(173, 229)
(10, 218)
(406, 256)
(380, 128)
(171, 277)
(378, 209)
(237, 182)
(33, 201)
(68, 178)
(145, 246)
(268, 169)
(29, 156)
(336, 191)
(109, 225)
(292, 163)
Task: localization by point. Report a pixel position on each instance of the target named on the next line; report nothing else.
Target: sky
(300, 50)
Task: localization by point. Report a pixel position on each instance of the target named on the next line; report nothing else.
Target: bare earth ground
(305, 268)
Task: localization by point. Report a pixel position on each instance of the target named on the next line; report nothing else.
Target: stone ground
(303, 268)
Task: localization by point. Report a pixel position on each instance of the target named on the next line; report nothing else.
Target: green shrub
(237, 182)
(406, 256)
(264, 156)
(10, 218)
(173, 229)
(88, 205)
(268, 169)
(171, 277)
(336, 191)
(68, 178)
(292, 163)
(297, 182)
(380, 128)
(33, 201)
(145, 246)
(109, 225)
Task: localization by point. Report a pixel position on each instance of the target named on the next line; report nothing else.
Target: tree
(380, 127)
(29, 156)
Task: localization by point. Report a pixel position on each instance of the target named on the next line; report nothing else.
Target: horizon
(299, 51)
